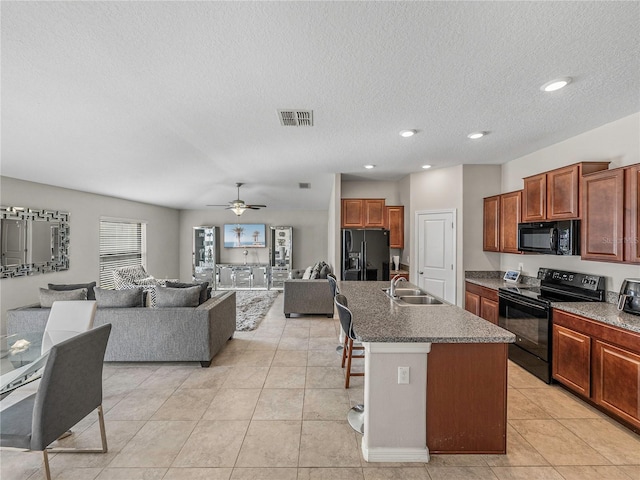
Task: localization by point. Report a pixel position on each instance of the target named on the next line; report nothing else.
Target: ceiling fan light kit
(238, 206)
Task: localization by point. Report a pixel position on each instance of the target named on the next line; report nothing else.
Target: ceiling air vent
(304, 185)
(296, 118)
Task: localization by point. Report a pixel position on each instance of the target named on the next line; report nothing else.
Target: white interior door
(436, 244)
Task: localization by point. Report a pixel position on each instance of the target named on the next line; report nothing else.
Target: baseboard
(420, 455)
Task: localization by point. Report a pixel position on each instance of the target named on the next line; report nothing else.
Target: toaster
(629, 298)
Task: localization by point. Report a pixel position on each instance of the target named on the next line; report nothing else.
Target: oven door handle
(524, 304)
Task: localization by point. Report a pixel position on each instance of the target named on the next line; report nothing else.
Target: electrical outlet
(403, 375)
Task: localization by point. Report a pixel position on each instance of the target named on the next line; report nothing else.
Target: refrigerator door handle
(363, 262)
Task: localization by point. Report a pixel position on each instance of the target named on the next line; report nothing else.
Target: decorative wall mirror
(33, 241)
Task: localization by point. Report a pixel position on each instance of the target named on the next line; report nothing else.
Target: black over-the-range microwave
(555, 238)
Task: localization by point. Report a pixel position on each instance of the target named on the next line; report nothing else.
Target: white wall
(618, 142)
(310, 235)
(438, 190)
(479, 181)
(404, 187)
(85, 211)
(333, 226)
(372, 189)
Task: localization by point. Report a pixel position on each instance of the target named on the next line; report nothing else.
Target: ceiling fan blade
(227, 205)
(256, 206)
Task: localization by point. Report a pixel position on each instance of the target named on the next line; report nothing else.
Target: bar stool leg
(348, 372)
(344, 350)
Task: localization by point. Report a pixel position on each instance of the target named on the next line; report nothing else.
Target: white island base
(395, 414)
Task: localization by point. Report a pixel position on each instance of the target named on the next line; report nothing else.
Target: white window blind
(122, 244)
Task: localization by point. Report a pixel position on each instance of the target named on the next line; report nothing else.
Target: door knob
(420, 273)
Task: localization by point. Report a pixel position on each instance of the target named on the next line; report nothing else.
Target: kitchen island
(455, 400)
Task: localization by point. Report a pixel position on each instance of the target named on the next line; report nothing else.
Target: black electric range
(526, 312)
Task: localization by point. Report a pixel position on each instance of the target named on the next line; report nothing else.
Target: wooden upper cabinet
(352, 213)
(632, 214)
(374, 213)
(395, 224)
(510, 214)
(363, 213)
(555, 195)
(603, 216)
(491, 224)
(562, 193)
(534, 198)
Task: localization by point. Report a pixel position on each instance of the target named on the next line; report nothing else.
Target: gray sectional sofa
(142, 334)
(311, 297)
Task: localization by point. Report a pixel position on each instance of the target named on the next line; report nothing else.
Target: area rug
(252, 306)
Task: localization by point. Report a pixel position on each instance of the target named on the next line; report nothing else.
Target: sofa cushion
(75, 286)
(130, 297)
(47, 297)
(177, 297)
(324, 271)
(204, 289)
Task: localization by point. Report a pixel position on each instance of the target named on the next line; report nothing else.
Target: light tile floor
(273, 406)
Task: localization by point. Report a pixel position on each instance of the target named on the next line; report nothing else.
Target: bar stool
(346, 320)
(333, 285)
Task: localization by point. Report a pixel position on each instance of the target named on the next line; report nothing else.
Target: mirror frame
(61, 261)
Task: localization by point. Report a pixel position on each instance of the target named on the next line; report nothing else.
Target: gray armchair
(70, 389)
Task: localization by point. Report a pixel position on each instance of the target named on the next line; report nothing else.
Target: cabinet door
(562, 193)
(510, 213)
(603, 216)
(632, 214)
(395, 224)
(491, 224)
(472, 303)
(489, 310)
(616, 382)
(571, 364)
(374, 213)
(352, 213)
(534, 198)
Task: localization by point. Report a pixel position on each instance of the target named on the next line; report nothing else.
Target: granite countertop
(601, 311)
(377, 318)
(493, 283)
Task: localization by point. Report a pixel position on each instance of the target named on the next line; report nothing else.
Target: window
(122, 244)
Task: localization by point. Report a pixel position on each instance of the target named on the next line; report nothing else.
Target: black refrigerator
(365, 254)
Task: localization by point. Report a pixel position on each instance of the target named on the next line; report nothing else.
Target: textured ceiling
(171, 103)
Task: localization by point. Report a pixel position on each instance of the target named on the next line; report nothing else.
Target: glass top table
(21, 361)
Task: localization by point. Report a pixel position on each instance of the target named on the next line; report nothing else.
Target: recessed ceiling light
(407, 133)
(369, 167)
(476, 135)
(426, 166)
(556, 84)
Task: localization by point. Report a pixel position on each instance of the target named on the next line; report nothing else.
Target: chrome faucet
(394, 283)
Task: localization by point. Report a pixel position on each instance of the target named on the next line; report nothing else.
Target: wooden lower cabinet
(481, 301)
(572, 359)
(599, 362)
(616, 381)
(467, 398)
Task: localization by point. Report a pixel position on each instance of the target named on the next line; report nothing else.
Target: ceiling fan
(238, 206)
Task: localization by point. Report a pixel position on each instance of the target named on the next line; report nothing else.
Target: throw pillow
(324, 271)
(204, 289)
(47, 297)
(177, 297)
(315, 272)
(130, 297)
(75, 286)
(307, 273)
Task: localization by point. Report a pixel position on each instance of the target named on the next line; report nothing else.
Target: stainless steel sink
(419, 300)
(413, 296)
(405, 291)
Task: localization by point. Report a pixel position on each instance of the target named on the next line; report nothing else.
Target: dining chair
(70, 389)
(346, 321)
(67, 319)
